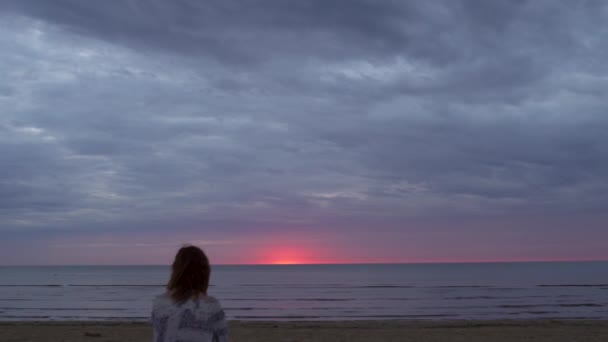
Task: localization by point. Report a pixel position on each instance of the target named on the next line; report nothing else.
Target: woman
(185, 312)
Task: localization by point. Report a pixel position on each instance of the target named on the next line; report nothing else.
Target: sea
(552, 290)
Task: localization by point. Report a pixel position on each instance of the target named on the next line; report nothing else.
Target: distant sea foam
(319, 292)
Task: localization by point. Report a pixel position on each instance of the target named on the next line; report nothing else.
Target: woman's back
(194, 320)
(185, 313)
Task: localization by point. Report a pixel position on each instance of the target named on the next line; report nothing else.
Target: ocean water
(319, 292)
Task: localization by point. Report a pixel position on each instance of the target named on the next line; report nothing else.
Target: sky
(296, 131)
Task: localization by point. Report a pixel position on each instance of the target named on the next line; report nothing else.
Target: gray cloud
(299, 114)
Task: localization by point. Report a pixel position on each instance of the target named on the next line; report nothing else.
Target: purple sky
(303, 131)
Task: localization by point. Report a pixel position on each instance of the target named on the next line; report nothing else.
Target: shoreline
(540, 330)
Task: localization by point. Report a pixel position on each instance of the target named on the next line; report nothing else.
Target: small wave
(570, 305)
(572, 285)
(520, 306)
(228, 309)
(460, 307)
(461, 286)
(347, 286)
(328, 286)
(32, 317)
(258, 299)
(324, 299)
(574, 318)
(113, 300)
(413, 316)
(73, 318)
(62, 309)
(494, 297)
(505, 288)
(115, 285)
(317, 299)
(294, 285)
(578, 305)
(472, 297)
(80, 285)
(533, 313)
(277, 317)
(31, 285)
(384, 287)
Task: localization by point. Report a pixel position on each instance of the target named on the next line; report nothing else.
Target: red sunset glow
(287, 255)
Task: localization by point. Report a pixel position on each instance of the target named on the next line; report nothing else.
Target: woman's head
(190, 274)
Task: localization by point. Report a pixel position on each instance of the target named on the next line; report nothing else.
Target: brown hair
(190, 274)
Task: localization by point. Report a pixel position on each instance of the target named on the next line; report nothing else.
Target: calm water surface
(319, 292)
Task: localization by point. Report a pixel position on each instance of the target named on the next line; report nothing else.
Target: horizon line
(332, 263)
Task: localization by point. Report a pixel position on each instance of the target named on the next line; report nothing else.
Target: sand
(421, 331)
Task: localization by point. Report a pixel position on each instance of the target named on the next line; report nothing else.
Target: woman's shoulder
(162, 297)
(210, 299)
(162, 300)
(210, 302)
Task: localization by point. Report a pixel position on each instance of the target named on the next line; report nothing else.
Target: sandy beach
(353, 331)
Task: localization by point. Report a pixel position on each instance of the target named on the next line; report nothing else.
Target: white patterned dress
(196, 320)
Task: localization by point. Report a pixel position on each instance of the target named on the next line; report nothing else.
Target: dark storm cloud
(234, 32)
(299, 113)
